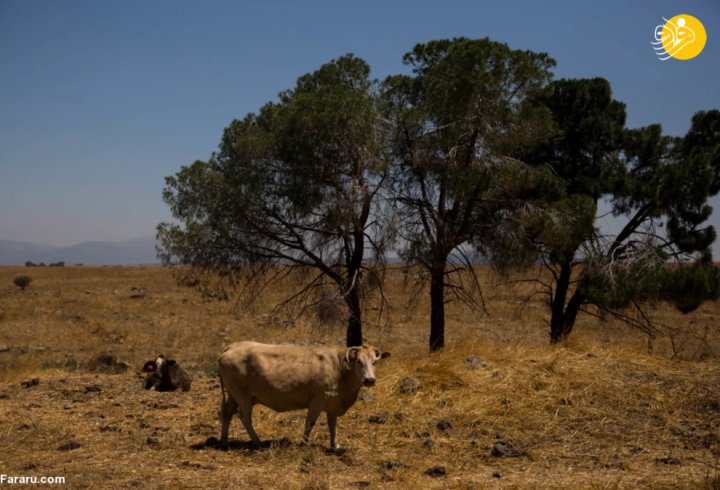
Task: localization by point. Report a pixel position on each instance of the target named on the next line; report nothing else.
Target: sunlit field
(609, 408)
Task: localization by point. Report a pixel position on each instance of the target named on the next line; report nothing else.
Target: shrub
(330, 309)
(22, 281)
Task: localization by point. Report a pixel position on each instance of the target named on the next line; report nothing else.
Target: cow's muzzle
(369, 381)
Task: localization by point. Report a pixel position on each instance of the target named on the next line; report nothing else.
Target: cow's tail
(222, 390)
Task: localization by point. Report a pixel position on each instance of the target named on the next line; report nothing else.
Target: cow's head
(156, 366)
(362, 361)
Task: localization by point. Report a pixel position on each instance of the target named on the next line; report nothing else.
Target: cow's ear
(171, 362)
(383, 355)
(149, 367)
(352, 354)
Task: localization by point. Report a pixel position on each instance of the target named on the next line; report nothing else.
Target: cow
(165, 375)
(324, 378)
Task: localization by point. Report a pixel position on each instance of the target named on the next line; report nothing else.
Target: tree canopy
(294, 185)
(457, 120)
(659, 186)
(476, 152)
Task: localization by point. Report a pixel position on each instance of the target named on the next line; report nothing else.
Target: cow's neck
(349, 387)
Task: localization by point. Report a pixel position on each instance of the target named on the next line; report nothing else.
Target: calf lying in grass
(165, 375)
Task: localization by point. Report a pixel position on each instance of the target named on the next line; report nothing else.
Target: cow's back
(282, 377)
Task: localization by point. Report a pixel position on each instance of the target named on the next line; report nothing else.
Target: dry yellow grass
(596, 412)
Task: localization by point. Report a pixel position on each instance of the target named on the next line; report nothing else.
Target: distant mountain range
(136, 251)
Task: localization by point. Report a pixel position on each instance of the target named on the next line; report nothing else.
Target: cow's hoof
(339, 450)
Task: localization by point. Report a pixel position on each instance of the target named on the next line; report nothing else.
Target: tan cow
(290, 377)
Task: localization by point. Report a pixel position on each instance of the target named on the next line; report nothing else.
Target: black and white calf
(165, 375)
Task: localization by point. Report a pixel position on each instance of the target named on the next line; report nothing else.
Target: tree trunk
(564, 315)
(437, 305)
(354, 329)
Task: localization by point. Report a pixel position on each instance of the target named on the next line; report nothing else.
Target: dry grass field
(599, 411)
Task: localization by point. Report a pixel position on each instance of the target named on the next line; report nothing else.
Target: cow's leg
(228, 406)
(313, 413)
(246, 407)
(332, 424)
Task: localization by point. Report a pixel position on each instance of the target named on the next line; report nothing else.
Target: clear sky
(100, 100)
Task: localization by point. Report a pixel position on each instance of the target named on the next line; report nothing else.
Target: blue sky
(99, 101)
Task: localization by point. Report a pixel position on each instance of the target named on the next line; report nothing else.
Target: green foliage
(688, 287)
(619, 288)
(661, 185)
(588, 125)
(294, 184)
(22, 281)
(685, 286)
(70, 365)
(457, 123)
(210, 366)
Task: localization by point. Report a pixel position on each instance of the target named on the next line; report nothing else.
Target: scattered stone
(24, 427)
(428, 443)
(377, 419)
(29, 383)
(441, 403)
(436, 471)
(409, 385)
(444, 425)
(503, 449)
(497, 474)
(505, 401)
(93, 389)
(669, 460)
(69, 446)
(473, 362)
(359, 484)
(152, 441)
(4, 348)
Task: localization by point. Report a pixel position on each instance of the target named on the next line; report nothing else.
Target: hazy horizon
(101, 101)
